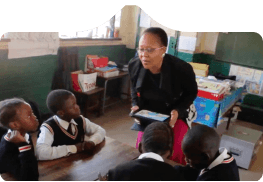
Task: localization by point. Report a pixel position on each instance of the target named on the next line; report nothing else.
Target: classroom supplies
(105, 72)
(95, 61)
(211, 89)
(83, 82)
(210, 112)
(243, 143)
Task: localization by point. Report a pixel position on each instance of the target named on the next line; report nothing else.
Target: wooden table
(84, 97)
(84, 166)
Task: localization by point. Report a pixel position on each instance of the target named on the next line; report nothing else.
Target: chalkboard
(241, 48)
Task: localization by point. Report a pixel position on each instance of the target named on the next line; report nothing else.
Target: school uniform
(148, 167)
(18, 159)
(58, 137)
(223, 168)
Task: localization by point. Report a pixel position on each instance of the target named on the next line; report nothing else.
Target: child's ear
(60, 113)
(14, 125)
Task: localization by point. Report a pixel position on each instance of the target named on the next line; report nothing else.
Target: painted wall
(128, 29)
(31, 78)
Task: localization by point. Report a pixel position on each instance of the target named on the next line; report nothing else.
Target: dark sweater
(222, 172)
(22, 164)
(146, 169)
(61, 136)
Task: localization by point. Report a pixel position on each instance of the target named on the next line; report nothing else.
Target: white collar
(26, 136)
(64, 123)
(223, 155)
(151, 155)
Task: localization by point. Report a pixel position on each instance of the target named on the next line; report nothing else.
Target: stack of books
(104, 71)
(211, 89)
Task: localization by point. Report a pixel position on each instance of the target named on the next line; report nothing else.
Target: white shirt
(44, 150)
(223, 155)
(152, 156)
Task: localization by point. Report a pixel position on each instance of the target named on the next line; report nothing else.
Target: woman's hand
(133, 109)
(174, 117)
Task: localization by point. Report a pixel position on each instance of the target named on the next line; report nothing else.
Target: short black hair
(160, 33)
(56, 99)
(8, 110)
(158, 138)
(201, 137)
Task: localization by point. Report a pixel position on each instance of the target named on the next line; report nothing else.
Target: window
(102, 31)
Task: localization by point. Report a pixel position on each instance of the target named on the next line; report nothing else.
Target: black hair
(56, 99)
(201, 137)
(160, 33)
(158, 138)
(8, 110)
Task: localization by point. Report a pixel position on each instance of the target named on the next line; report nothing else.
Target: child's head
(16, 114)
(157, 138)
(200, 146)
(63, 103)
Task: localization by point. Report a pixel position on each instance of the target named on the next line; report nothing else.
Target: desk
(121, 75)
(83, 166)
(82, 97)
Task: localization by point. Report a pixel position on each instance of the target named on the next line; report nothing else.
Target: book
(147, 117)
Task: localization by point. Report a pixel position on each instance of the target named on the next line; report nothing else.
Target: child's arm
(24, 166)
(45, 151)
(94, 132)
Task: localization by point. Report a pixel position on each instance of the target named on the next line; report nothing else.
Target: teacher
(163, 83)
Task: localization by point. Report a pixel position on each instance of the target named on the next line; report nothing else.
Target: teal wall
(215, 66)
(188, 57)
(30, 78)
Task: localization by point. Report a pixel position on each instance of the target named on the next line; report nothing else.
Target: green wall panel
(29, 78)
(185, 56)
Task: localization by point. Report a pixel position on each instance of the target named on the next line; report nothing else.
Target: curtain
(67, 62)
(28, 44)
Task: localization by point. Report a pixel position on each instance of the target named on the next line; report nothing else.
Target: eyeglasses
(148, 50)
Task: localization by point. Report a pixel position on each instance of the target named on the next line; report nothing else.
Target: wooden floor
(117, 123)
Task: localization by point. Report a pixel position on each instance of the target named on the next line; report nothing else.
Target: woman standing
(163, 83)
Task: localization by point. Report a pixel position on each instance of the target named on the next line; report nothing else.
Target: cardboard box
(200, 69)
(242, 143)
(209, 112)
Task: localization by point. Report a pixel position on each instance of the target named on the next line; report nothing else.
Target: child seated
(206, 162)
(67, 132)
(156, 147)
(16, 148)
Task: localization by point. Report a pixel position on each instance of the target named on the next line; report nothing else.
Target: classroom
(35, 63)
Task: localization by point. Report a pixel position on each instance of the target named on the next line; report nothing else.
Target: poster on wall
(252, 78)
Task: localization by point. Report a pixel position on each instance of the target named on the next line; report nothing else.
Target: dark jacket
(20, 163)
(177, 83)
(223, 172)
(146, 169)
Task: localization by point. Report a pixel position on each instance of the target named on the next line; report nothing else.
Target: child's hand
(16, 137)
(89, 145)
